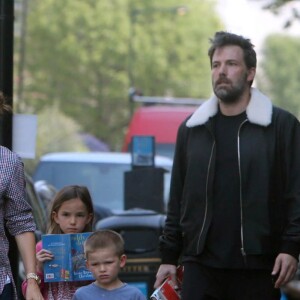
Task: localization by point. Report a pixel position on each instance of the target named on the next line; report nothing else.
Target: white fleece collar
(258, 111)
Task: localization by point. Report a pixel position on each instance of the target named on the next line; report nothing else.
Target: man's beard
(230, 93)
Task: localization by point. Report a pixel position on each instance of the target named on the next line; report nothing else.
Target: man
(234, 212)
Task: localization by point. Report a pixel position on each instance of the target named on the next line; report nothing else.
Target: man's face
(230, 76)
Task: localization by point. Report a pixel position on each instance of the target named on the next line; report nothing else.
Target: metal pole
(22, 53)
(6, 86)
(6, 67)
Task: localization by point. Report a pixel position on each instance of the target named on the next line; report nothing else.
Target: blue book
(68, 263)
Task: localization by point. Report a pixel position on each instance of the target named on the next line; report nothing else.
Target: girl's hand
(42, 256)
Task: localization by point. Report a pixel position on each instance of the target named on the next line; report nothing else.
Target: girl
(71, 212)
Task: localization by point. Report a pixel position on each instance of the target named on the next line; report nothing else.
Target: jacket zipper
(206, 196)
(244, 254)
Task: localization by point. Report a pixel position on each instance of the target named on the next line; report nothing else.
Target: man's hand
(284, 269)
(163, 272)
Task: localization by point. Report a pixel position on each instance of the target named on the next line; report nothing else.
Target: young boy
(104, 252)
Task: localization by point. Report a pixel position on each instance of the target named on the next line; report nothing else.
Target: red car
(161, 120)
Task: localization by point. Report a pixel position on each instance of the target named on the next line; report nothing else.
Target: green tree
(75, 57)
(56, 132)
(280, 75)
(170, 47)
(80, 55)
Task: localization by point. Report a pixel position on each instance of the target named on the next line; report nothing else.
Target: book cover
(68, 263)
(167, 290)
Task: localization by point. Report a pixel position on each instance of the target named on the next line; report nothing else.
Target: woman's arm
(26, 246)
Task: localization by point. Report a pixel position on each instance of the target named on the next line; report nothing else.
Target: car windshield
(163, 149)
(105, 181)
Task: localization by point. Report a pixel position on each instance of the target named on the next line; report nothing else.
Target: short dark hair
(223, 38)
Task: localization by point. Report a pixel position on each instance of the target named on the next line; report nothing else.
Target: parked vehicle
(162, 122)
(159, 117)
(102, 173)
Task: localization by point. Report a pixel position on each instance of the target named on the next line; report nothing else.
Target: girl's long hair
(67, 193)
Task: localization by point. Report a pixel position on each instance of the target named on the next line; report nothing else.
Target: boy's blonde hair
(104, 238)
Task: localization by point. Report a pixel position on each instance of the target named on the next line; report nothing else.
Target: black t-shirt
(223, 243)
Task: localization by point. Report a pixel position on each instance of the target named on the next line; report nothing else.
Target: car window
(105, 181)
(163, 149)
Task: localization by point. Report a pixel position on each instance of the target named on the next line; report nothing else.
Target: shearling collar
(259, 110)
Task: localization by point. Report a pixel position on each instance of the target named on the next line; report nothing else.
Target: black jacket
(269, 163)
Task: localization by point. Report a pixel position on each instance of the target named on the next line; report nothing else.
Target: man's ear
(251, 74)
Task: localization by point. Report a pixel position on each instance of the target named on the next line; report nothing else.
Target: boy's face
(105, 266)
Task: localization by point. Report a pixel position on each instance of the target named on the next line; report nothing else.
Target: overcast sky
(246, 17)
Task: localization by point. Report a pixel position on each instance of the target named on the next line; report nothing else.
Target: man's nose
(222, 70)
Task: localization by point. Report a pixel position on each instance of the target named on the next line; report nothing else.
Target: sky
(246, 17)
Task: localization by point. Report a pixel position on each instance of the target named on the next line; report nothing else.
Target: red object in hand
(167, 290)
